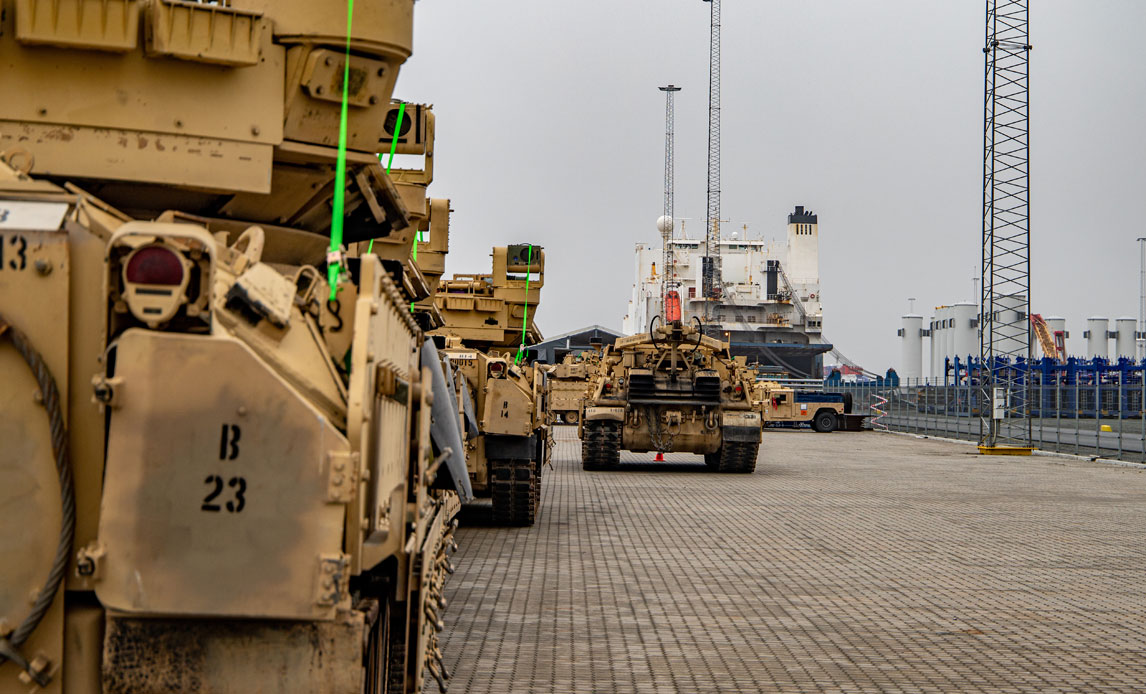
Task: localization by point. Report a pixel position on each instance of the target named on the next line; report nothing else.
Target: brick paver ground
(849, 562)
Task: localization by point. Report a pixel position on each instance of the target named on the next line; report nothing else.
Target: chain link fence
(1096, 419)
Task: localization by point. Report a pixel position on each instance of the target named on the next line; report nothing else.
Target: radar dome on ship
(664, 224)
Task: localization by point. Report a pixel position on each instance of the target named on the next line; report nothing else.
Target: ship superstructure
(769, 304)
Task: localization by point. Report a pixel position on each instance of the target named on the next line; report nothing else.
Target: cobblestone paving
(849, 562)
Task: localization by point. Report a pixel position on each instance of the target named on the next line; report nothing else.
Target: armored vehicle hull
(671, 390)
(222, 468)
(487, 325)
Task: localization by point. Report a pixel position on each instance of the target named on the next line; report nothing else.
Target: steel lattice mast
(711, 281)
(668, 270)
(1004, 311)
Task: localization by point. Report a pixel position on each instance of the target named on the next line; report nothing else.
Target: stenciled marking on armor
(19, 252)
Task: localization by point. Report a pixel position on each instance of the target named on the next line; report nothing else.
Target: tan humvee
(671, 390)
(824, 412)
(488, 318)
(215, 478)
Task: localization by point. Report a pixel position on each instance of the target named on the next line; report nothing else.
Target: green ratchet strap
(525, 315)
(393, 148)
(334, 257)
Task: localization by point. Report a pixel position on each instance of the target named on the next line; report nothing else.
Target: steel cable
(59, 433)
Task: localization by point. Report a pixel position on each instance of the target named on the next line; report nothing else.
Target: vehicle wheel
(570, 417)
(737, 456)
(825, 421)
(601, 445)
(513, 492)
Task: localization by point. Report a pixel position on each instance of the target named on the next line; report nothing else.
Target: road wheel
(570, 417)
(825, 421)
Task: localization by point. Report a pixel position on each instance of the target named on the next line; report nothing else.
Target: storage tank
(949, 330)
(1057, 324)
(1124, 344)
(1097, 342)
(939, 343)
(911, 341)
(1012, 326)
(965, 339)
(933, 360)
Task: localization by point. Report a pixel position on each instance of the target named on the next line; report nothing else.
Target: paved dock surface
(849, 562)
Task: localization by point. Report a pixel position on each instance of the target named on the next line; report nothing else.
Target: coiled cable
(50, 395)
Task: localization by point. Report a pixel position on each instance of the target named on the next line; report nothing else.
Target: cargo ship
(769, 306)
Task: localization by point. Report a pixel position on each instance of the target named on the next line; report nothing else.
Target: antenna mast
(668, 270)
(1004, 309)
(710, 264)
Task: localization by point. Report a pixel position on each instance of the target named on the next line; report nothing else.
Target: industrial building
(553, 350)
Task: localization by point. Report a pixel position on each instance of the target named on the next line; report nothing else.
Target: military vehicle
(567, 383)
(488, 322)
(672, 389)
(823, 412)
(219, 475)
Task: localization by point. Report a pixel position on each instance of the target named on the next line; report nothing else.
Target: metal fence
(1102, 419)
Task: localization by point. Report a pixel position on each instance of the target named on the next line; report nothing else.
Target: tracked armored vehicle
(566, 386)
(228, 465)
(672, 389)
(488, 321)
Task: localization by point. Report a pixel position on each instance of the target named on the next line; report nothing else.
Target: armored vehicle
(823, 412)
(672, 389)
(567, 383)
(488, 325)
(230, 457)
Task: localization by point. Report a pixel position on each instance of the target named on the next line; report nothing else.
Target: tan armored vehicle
(567, 385)
(488, 319)
(216, 478)
(671, 390)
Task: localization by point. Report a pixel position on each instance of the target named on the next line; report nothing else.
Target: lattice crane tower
(665, 223)
(1004, 313)
(712, 284)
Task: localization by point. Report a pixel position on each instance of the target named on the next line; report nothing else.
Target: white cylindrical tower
(949, 331)
(933, 359)
(965, 338)
(940, 342)
(911, 340)
(1097, 343)
(1011, 324)
(1124, 344)
(1057, 324)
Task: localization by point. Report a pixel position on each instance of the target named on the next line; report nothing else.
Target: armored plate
(222, 486)
(34, 276)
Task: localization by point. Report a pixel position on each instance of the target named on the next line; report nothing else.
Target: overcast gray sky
(551, 131)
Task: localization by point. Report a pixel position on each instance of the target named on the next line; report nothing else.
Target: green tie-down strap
(334, 257)
(525, 315)
(390, 163)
